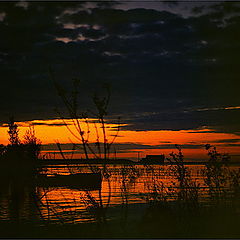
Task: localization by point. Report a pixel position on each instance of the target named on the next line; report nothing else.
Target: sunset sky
(173, 68)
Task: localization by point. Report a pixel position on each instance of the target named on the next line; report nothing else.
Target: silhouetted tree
(32, 143)
(13, 132)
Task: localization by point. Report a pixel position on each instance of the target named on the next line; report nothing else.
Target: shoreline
(118, 161)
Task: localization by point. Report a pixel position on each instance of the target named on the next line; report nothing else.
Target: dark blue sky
(171, 65)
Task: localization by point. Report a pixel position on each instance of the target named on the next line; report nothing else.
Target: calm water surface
(123, 186)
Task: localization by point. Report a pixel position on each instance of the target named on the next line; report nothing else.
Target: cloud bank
(163, 65)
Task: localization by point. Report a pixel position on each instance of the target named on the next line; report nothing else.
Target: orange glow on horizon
(50, 131)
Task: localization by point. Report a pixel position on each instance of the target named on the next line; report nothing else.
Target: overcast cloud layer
(171, 66)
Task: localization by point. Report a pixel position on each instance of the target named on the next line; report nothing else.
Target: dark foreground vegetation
(165, 222)
(20, 156)
(159, 221)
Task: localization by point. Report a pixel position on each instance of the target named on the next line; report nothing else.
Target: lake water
(122, 186)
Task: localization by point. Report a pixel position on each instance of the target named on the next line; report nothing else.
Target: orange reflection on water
(126, 185)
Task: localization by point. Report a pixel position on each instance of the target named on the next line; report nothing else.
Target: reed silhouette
(100, 150)
(80, 120)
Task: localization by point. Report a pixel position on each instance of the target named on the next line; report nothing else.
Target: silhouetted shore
(118, 161)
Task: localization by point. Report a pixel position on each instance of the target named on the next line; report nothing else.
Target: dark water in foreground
(124, 193)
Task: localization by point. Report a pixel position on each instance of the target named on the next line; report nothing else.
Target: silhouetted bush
(19, 157)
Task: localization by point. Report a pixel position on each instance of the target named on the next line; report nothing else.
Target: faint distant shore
(119, 161)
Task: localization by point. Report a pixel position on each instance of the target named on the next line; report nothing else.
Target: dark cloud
(235, 140)
(50, 124)
(162, 66)
(133, 147)
(231, 145)
(226, 7)
(120, 147)
(198, 9)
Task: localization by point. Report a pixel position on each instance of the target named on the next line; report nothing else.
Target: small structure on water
(153, 159)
